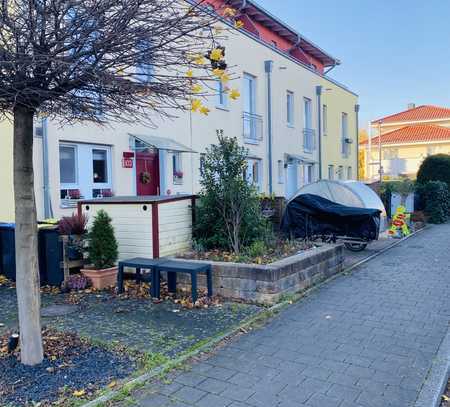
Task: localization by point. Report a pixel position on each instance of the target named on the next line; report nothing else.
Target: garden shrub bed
(269, 283)
(259, 253)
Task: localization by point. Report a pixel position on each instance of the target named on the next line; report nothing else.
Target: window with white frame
(222, 97)
(100, 166)
(331, 172)
(389, 153)
(84, 171)
(349, 173)
(145, 69)
(280, 171)
(177, 168)
(308, 131)
(310, 173)
(341, 172)
(290, 108)
(68, 165)
(344, 135)
(307, 113)
(252, 122)
(325, 119)
(253, 172)
(249, 93)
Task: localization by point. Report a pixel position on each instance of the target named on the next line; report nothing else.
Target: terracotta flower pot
(101, 279)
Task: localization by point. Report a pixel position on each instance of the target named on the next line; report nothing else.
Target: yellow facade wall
(338, 101)
(6, 172)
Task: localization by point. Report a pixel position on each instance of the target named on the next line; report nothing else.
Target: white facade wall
(246, 55)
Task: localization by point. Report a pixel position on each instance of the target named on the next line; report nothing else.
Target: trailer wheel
(355, 247)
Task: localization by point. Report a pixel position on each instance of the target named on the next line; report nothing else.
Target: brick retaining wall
(268, 283)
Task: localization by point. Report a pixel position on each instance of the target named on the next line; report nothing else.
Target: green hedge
(435, 197)
(435, 168)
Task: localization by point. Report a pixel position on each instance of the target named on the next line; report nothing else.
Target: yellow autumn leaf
(224, 78)
(204, 110)
(238, 24)
(216, 54)
(189, 73)
(199, 60)
(218, 72)
(235, 94)
(229, 12)
(196, 105)
(79, 393)
(197, 88)
(112, 384)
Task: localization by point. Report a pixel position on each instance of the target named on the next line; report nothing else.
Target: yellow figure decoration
(399, 225)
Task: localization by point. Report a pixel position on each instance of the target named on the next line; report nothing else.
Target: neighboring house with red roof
(406, 139)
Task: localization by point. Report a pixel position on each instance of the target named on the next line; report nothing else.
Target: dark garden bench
(172, 267)
(140, 263)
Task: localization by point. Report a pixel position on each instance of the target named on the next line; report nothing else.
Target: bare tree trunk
(27, 270)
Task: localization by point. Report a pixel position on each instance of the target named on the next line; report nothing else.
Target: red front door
(147, 173)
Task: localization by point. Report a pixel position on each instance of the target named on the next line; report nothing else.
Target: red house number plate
(127, 163)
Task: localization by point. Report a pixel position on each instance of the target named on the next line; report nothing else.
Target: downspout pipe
(268, 68)
(48, 212)
(319, 127)
(357, 140)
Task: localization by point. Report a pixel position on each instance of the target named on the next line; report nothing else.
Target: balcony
(309, 140)
(252, 129)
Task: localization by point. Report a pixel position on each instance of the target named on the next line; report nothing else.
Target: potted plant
(103, 252)
(74, 228)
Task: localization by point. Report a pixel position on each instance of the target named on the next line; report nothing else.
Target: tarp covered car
(311, 215)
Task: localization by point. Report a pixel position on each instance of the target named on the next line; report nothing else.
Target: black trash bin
(7, 251)
(50, 254)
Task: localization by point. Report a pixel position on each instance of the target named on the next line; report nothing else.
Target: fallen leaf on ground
(79, 393)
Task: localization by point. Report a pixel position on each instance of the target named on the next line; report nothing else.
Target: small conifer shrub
(102, 244)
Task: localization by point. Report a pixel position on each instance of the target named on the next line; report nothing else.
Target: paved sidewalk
(366, 339)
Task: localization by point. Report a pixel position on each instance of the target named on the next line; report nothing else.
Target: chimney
(411, 106)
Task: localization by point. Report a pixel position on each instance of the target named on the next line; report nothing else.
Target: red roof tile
(424, 112)
(413, 134)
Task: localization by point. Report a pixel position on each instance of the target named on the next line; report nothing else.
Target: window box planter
(102, 278)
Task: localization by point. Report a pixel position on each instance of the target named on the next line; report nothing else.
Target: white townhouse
(298, 125)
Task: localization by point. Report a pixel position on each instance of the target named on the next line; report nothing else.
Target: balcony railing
(309, 140)
(252, 128)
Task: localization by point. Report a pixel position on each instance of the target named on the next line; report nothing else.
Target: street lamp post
(379, 151)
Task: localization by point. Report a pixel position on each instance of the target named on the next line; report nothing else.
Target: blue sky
(393, 52)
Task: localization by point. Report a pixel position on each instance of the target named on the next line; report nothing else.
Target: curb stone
(265, 314)
(436, 381)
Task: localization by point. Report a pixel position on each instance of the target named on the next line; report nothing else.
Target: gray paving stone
(190, 379)
(317, 372)
(213, 385)
(212, 400)
(238, 393)
(220, 373)
(153, 400)
(189, 394)
(320, 400)
(344, 392)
